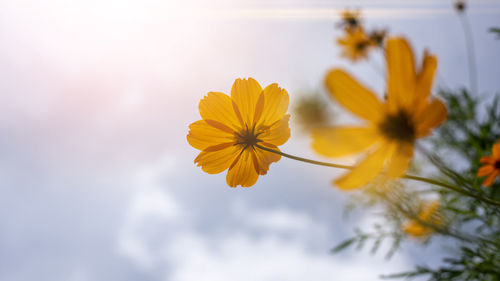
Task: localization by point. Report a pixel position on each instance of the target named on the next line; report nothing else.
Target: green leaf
(343, 245)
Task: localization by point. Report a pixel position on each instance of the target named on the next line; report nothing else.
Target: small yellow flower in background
(391, 128)
(492, 165)
(350, 19)
(356, 44)
(232, 126)
(428, 214)
(377, 37)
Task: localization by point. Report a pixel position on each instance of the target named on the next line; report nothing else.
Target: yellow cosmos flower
(350, 19)
(355, 44)
(377, 37)
(232, 126)
(390, 128)
(492, 165)
(429, 215)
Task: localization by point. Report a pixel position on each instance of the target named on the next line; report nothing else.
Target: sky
(97, 180)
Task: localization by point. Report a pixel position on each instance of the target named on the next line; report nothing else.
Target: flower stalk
(406, 176)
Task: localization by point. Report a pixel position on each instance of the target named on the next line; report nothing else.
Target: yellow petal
(275, 105)
(342, 141)
(353, 96)
(415, 229)
(278, 133)
(367, 170)
(243, 171)
(259, 108)
(428, 212)
(430, 117)
(485, 170)
(201, 135)
(400, 160)
(214, 162)
(245, 94)
(425, 79)
(263, 159)
(219, 107)
(401, 76)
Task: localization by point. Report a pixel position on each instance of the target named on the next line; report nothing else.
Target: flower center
(248, 137)
(399, 127)
(352, 21)
(360, 46)
(497, 165)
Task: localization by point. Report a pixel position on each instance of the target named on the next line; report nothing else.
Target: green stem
(470, 53)
(411, 177)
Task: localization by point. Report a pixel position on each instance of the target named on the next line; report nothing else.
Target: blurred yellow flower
(232, 126)
(350, 19)
(355, 44)
(391, 128)
(429, 215)
(492, 165)
(377, 37)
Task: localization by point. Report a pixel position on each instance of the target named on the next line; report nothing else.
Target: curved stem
(411, 177)
(320, 163)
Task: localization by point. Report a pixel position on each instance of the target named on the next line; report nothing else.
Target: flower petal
(242, 172)
(245, 94)
(415, 229)
(430, 117)
(367, 169)
(425, 78)
(489, 181)
(263, 159)
(278, 133)
(495, 151)
(486, 159)
(201, 135)
(400, 160)
(485, 170)
(353, 96)
(342, 141)
(214, 162)
(401, 76)
(219, 107)
(275, 105)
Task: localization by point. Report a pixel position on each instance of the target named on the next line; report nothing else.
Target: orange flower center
(497, 165)
(399, 127)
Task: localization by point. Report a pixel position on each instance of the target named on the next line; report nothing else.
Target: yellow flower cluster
(356, 43)
(241, 133)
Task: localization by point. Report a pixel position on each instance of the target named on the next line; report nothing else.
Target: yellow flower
(232, 126)
(391, 128)
(350, 19)
(492, 165)
(429, 215)
(377, 37)
(355, 44)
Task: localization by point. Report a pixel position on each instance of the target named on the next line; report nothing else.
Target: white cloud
(242, 257)
(267, 244)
